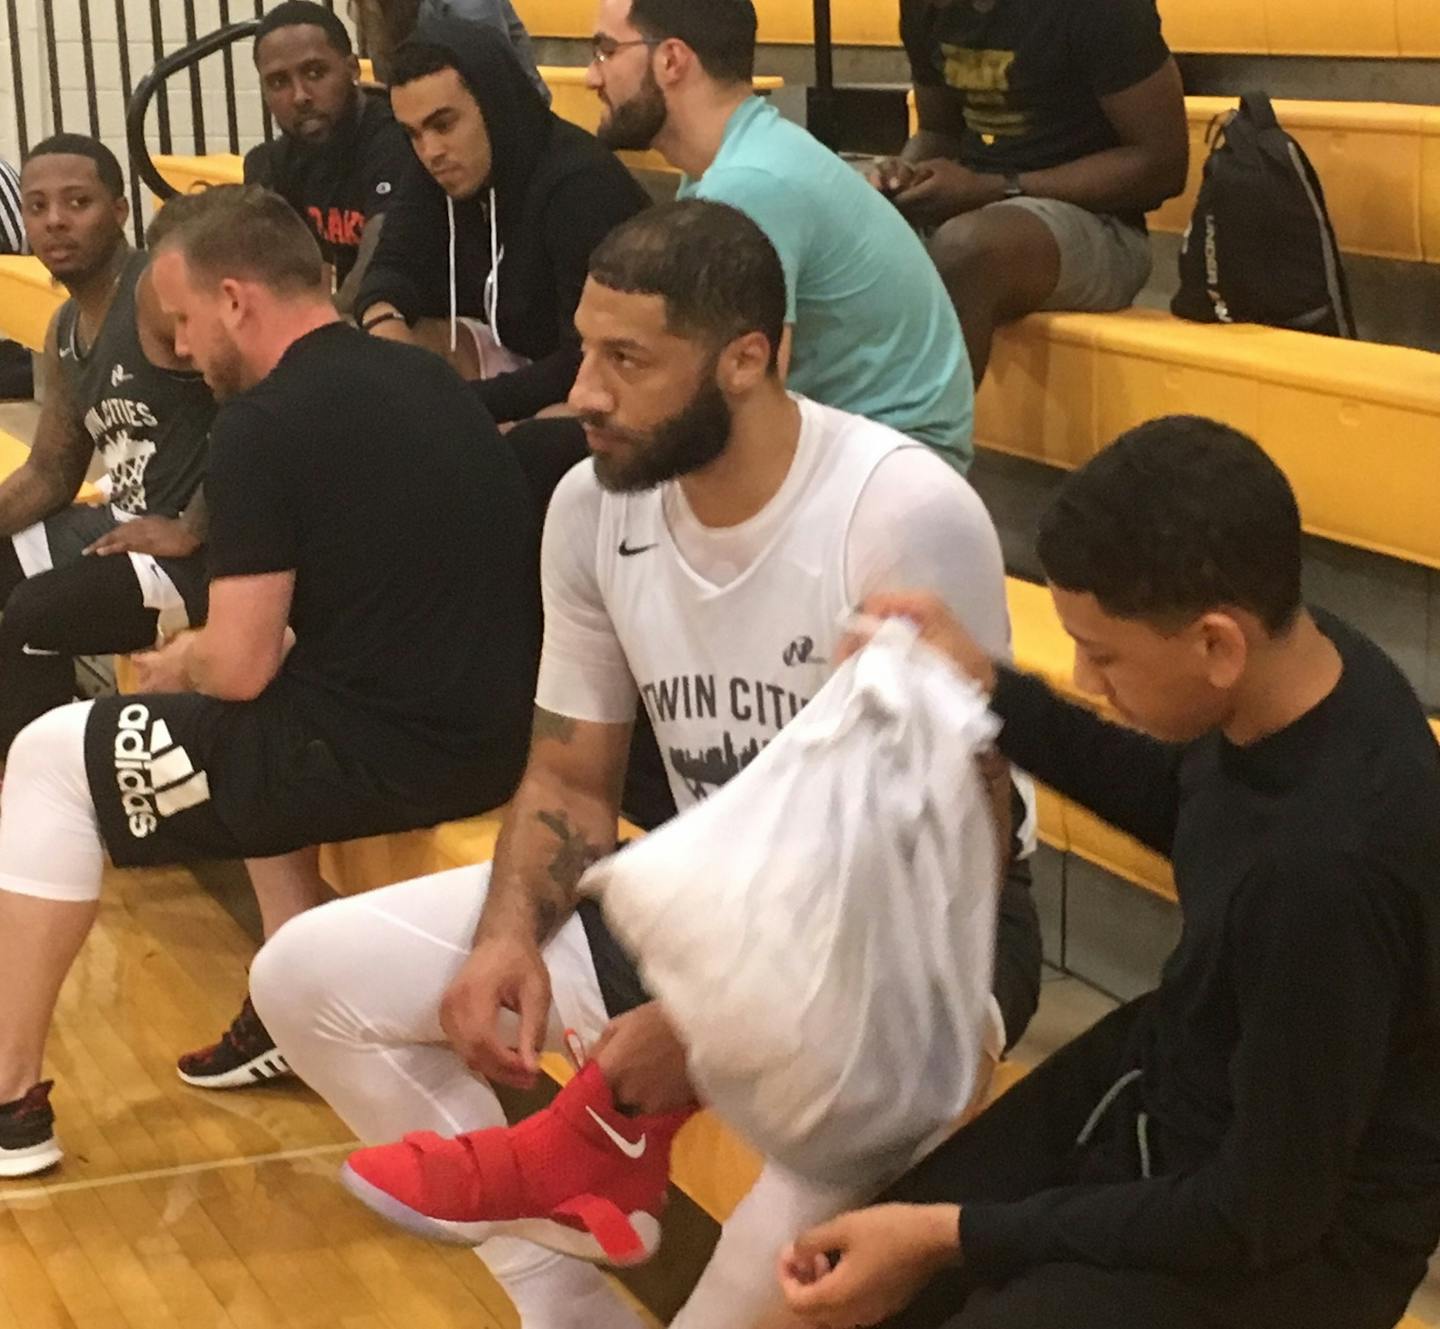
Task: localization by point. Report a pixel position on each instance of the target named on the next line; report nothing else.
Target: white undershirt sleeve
(583, 670)
(919, 527)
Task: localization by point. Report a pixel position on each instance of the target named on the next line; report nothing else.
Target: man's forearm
(30, 495)
(552, 835)
(1125, 179)
(196, 517)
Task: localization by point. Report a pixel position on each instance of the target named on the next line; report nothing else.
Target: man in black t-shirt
(369, 659)
(1047, 129)
(340, 157)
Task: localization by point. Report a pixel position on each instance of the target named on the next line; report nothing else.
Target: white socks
(553, 1291)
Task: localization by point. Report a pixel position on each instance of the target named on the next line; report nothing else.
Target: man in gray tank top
(79, 578)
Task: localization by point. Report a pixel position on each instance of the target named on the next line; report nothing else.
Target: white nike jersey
(722, 669)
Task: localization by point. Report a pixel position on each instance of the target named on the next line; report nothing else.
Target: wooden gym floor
(180, 1208)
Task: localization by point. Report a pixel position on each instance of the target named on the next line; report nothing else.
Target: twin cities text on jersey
(706, 758)
(747, 701)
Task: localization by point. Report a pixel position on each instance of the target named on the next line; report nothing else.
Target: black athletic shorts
(180, 778)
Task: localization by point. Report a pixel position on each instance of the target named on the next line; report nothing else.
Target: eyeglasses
(602, 48)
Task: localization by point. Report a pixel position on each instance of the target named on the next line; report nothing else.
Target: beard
(226, 374)
(680, 446)
(634, 125)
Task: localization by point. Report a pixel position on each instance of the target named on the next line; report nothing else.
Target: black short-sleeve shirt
(1032, 72)
(369, 470)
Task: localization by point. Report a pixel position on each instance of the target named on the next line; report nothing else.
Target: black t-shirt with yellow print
(1032, 72)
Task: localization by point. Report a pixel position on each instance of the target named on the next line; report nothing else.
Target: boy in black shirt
(1048, 128)
(1257, 1141)
(369, 659)
(340, 157)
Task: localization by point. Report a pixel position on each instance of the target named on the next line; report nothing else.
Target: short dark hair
(241, 231)
(720, 32)
(80, 145)
(419, 59)
(305, 14)
(1176, 518)
(716, 270)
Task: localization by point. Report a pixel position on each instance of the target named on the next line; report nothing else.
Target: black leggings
(93, 606)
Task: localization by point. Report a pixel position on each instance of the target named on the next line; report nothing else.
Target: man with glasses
(871, 330)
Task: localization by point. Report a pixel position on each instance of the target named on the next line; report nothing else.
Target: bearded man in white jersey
(702, 561)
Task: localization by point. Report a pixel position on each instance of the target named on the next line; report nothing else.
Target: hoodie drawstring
(450, 211)
(492, 282)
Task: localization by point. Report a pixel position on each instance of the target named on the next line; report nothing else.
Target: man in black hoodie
(485, 261)
(340, 154)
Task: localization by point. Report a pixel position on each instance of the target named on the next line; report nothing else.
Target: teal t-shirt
(875, 332)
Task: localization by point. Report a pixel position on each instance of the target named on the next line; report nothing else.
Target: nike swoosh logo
(631, 1149)
(627, 552)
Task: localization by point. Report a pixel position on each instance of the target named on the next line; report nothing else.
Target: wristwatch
(1013, 187)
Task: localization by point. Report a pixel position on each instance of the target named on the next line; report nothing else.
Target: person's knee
(303, 979)
(50, 750)
(27, 610)
(964, 249)
(1002, 259)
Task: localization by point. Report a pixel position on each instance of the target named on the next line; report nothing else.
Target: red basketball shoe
(580, 1177)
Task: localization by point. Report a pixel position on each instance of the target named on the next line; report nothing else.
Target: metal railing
(152, 88)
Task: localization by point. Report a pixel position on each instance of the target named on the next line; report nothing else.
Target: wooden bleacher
(1382, 29)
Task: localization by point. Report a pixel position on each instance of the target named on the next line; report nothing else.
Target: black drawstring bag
(1260, 247)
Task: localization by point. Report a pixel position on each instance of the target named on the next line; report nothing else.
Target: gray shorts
(1104, 262)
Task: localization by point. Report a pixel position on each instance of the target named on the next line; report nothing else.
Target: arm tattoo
(568, 864)
(556, 728)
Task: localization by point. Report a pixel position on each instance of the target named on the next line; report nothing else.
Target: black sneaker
(27, 1134)
(246, 1055)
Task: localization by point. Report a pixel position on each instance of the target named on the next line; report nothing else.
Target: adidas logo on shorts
(155, 776)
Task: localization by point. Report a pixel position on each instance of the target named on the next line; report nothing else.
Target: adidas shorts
(181, 778)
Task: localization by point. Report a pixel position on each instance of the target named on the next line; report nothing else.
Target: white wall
(105, 45)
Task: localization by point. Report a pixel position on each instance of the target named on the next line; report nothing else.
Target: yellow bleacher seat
(1430, 179)
(1331, 28)
(1418, 24)
(1383, 29)
(1379, 164)
(1215, 26)
(1061, 386)
(29, 297)
(786, 22)
(188, 173)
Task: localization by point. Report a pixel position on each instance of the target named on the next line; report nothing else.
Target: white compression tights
(49, 842)
(351, 993)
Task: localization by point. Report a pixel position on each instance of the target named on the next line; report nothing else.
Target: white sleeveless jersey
(722, 669)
